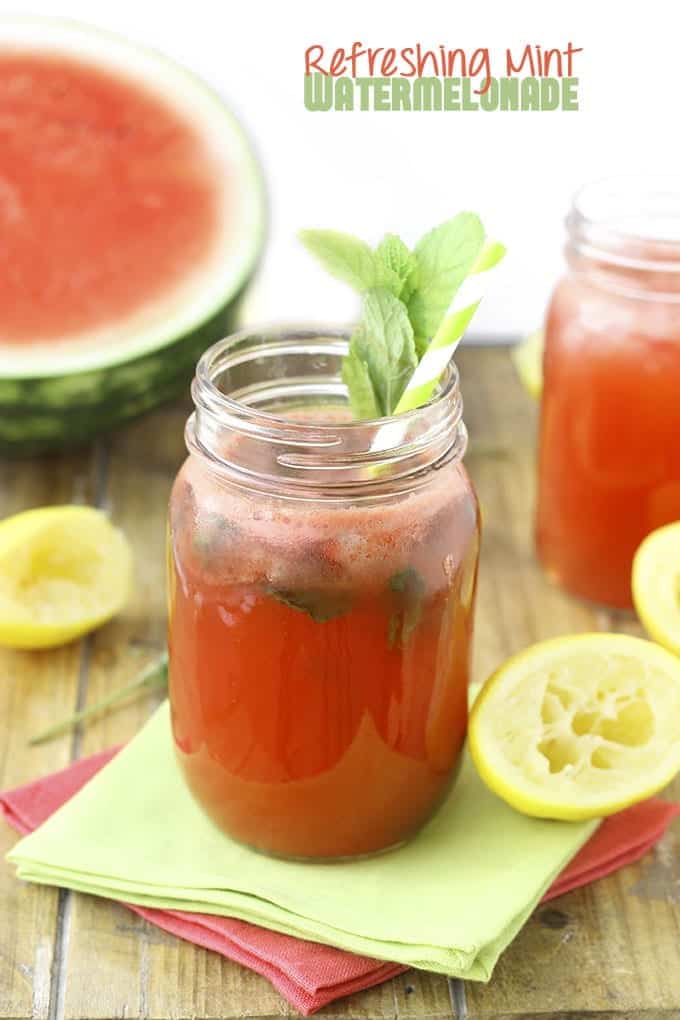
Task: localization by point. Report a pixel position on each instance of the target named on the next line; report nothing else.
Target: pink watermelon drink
(320, 612)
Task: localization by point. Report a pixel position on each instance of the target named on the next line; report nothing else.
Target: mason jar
(321, 587)
(609, 462)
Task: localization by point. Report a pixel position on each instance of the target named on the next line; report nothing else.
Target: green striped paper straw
(423, 382)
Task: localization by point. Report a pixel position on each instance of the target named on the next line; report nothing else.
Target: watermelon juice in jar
(322, 580)
(609, 464)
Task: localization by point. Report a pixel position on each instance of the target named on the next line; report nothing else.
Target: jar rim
(343, 459)
(204, 381)
(628, 221)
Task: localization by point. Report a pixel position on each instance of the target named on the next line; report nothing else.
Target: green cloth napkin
(450, 900)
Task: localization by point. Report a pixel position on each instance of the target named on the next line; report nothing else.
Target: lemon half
(527, 358)
(656, 585)
(579, 727)
(64, 570)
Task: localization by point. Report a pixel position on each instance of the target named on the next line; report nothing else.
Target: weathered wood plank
(587, 1014)
(134, 491)
(34, 688)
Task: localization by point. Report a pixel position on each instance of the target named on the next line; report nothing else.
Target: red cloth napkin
(307, 974)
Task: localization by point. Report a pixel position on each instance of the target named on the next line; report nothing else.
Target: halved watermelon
(132, 215)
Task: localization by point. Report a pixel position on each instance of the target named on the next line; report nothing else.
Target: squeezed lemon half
(64, 570)
(527, 358)
(579, 727)
(656, 585)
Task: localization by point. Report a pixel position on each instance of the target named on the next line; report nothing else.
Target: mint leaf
(422, 342)
(408, 587)
(444, 257)
(357, 379)
(344, 256)
(320, 605)
(397, 260)
(406, 296)
(384, 343)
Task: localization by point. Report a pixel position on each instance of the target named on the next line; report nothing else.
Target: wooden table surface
(610, 950)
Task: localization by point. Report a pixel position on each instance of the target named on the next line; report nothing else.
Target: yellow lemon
(579, 727)
(64, 570)
(656, 585)
(527, 358)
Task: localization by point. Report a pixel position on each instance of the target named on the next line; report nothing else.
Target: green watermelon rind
(49, 411)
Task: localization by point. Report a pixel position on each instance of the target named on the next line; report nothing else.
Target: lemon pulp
(579, 727)
(63, 571)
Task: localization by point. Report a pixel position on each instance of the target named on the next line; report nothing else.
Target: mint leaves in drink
(322, 606)
(408, 591)
(406, 296)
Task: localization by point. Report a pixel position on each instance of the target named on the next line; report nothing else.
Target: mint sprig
(357, 378)
(382, 355)
(349, 259)
(444, 257)
(406, 295)
(399, 263)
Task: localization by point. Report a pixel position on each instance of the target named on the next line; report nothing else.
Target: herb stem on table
(153, 676)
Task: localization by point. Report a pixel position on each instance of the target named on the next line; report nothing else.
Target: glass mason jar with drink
(609, 462)
(322, 581)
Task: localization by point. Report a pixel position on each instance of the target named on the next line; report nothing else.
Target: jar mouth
(270, 408)
(224, 355)
(630, 221)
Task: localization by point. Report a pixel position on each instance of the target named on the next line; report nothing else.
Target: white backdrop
(371, 172)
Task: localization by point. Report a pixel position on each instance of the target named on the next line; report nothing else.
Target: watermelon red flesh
(132, 217)
(107, 197)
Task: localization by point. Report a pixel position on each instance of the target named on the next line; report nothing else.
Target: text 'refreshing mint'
(407, 308)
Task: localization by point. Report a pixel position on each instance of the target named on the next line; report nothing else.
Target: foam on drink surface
(255, 537)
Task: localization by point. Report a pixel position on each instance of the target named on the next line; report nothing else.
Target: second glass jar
(609, 469)
(322, 581)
